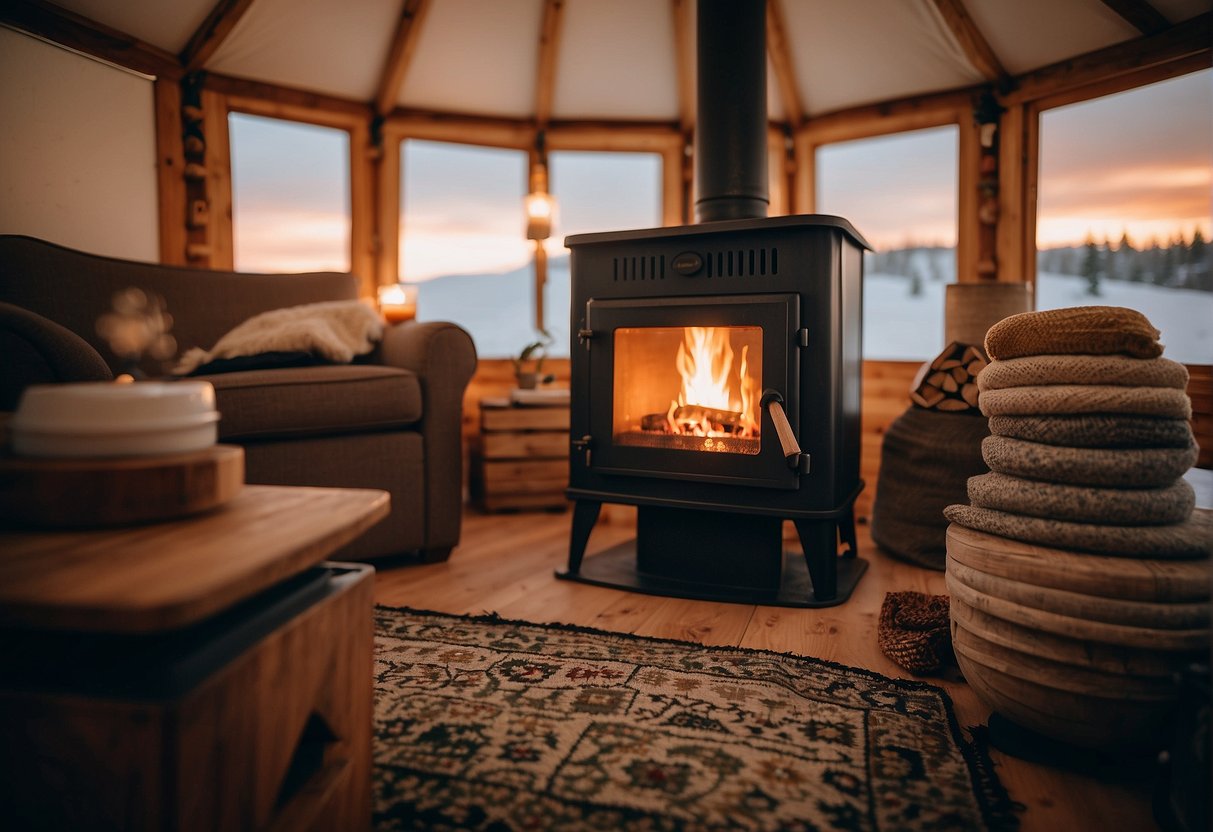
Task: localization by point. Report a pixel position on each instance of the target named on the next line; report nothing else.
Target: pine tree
(1092, 266)
(1197, 251)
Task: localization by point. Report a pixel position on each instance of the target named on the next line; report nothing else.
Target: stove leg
(819, 539)
(846, 530)
(585, 515)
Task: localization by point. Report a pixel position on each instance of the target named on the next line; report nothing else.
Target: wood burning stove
(715, 382)
(695, 344)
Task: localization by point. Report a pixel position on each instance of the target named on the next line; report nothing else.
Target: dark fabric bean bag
(926, 460)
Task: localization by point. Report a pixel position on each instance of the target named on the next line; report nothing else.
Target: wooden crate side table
(521, 457)
(256, 715)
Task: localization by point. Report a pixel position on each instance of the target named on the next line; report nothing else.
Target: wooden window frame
(1023, 247)
(361, 246)
(666, 142)
(914, 114)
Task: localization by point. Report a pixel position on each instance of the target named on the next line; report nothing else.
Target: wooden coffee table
(205, 673)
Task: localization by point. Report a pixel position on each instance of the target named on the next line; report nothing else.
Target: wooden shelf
(520, 458)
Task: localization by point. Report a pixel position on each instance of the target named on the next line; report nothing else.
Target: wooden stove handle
(773, 402)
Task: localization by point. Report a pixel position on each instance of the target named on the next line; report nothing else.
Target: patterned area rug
(488, 724)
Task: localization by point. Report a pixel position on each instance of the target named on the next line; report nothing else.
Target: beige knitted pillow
(1112, 370)
(1078, 330)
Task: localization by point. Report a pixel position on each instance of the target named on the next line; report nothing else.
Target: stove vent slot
(639, 268)
(753, 262)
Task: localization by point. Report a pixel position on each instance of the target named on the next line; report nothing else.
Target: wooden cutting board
(104, 492)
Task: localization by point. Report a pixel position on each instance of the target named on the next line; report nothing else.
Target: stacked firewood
(949, 382)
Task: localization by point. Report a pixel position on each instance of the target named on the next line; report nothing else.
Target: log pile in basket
(949, 382)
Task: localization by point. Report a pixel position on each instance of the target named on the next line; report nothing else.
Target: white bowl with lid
(104, 419)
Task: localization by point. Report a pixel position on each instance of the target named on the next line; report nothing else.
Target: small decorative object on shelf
(398, 302)
(528, 364)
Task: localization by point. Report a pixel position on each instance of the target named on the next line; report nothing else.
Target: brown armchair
(391, 420)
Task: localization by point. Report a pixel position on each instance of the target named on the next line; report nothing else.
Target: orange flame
(705, 363)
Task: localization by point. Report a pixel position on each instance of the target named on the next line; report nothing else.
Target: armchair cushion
(324, 400)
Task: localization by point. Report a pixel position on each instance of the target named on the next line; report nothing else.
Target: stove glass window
(689, 388)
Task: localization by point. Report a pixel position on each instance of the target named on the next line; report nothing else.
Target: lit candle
(398, 302)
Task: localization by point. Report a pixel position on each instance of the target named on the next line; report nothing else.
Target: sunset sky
(1138, 162)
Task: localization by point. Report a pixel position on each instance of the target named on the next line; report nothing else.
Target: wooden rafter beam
(1140, 15)
(684, 63)
(1183, 41)
(780, 52)
(545, 75)
(404, 45)
(976, 48)
(208, 37)
(77, 32)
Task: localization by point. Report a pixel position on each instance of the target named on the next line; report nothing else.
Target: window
(900, 193)
(1123, 214)
(290, 195)
(595, 191)
(463, 239)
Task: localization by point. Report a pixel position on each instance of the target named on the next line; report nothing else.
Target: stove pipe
(731, 130)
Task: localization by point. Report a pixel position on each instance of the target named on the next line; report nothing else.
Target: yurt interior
(570, 414)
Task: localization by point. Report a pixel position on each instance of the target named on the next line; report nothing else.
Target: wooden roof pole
(83, 34)
(545, 75)
(1140, 15)
(780, 52)
(404, 44)
(781, 59)
(976, 48)
(545, 86)
(208, 37)
(684, 67)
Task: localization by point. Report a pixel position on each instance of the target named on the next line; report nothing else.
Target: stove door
(675, 386)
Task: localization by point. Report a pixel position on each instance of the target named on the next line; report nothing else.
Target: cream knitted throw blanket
(334, 330)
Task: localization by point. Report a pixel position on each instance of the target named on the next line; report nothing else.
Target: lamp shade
(540, 207)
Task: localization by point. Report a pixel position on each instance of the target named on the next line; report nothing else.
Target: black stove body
(780, 299)
(715, 378)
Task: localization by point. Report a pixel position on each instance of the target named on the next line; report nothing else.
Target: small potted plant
(528, 364)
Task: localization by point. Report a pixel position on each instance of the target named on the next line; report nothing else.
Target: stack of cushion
(1089, 438)
(1079, 571)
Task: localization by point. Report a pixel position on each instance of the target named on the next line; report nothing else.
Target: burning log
(949, 382)
(689, 415)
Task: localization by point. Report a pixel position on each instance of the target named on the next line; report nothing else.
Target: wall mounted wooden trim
(218, 180)
(170, 167)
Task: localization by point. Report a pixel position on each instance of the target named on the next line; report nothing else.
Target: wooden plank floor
(505, 564)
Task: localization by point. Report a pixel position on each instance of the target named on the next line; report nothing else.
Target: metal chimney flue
(731, 130)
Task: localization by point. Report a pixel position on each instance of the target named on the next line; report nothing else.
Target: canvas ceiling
(616, 58)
